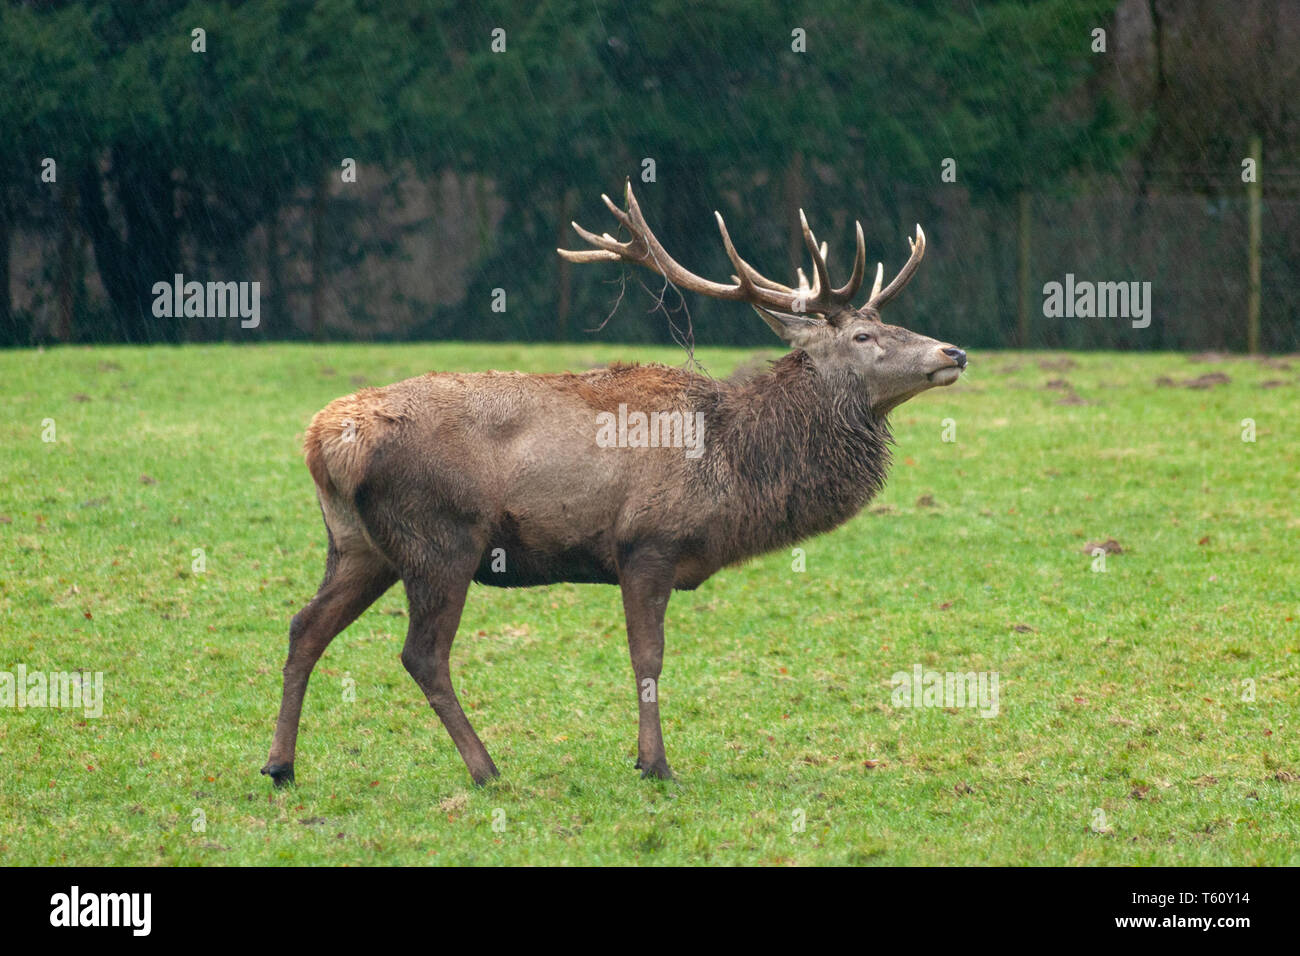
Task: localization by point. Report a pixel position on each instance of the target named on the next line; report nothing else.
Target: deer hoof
(281, 774)
(656, 771)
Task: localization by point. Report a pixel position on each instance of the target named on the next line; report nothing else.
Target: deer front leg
(647, 585)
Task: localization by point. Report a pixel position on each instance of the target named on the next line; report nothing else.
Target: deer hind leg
(436, 595)
(647, 585)
(353, 581)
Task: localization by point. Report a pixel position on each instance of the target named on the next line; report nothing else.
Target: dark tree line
(172, 148)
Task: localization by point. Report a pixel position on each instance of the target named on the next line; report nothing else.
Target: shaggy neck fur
(790, 454)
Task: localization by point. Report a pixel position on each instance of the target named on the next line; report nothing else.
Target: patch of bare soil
(1110, 546)
(1208, 380)
(1062, 364)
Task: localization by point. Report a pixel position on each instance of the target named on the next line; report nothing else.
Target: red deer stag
(503, 478)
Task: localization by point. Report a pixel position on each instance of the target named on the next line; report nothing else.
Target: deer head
(849, 346)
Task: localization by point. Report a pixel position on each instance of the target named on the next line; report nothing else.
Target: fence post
(1253, 196)
(1022, 268)
(319, 195)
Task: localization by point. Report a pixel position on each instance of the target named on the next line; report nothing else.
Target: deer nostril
(957, 355)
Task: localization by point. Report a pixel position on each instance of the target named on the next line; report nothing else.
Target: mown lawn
(1147, 714)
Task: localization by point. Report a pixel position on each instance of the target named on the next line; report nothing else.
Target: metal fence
(402, 267)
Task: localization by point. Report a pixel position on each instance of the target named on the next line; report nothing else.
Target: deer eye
(862, 337)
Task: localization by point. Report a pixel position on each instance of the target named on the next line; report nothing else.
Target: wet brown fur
(782, 460)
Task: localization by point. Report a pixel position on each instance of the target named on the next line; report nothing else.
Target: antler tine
(606, 242)
(904, 275)
(806, 287)
(846, 292)
(613, 206)
(635, 221)
(822, 280)
(619, 214)
(588, 255)
(880, 277)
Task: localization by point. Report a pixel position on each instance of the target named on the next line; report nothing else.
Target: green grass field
(1147, 713)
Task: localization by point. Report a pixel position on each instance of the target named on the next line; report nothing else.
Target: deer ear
(794, 329)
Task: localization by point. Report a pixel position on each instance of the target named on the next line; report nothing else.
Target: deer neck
(801, 453)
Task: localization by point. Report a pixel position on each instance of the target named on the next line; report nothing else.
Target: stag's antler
(879, 297)
(819, 299)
